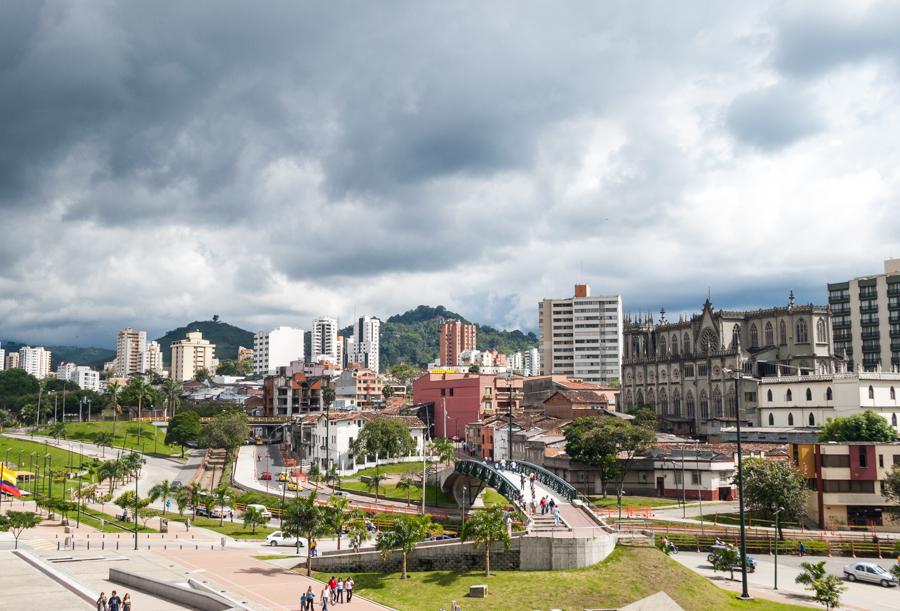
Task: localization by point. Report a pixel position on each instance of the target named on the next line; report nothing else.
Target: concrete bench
(479, 591)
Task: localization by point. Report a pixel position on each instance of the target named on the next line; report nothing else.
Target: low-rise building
(845, 482)
(362, 387)
(571, 404)
(85, 377)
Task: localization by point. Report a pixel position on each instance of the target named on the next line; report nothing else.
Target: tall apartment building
(130, 346)
(2, 359)
(341, 355)
(276, 348)
(191, 354)
(12, 360)
(325, 339)
(349, 351)
(581, 336)
(866, 319)
(532, 362)
(85, 377)
(455, 337)
(366, 342)
(151, 359)
(35, 361)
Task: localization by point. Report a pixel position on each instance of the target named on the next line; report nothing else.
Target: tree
(183, 428)
(445, 450)
(57, 430)
(107, 471)
(384, 437)
(827, 589)
(387, 391)
(486, 528)
(474, 369)
(314, 474)
(201, 375)
(233, 367)
(105, 440)
(182, 499)
(223, 498)
(356, 525)
(373, 482)
(162, 490)
(254, 517)
(645, 416)
(403, 535)
(867, 426)
(630, 441)
(588, 442)
(337, 515)
(304, 518)
(404, 373)
(409, 483)
(890, 489)
(726, 559)
(769, 485)
(227, 430)
(18, 522)
(196, 494)
(112, 395)
(171, 388)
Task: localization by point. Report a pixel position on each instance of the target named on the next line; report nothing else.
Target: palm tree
(171, 388)
(112, 394)
(356, 525)
(445, 450)
(222, 497)
(337, 516)
(143, 391)
(182, 499)
(333, 478)
(374, 483)
(57, 430)
(108, 471)
(407, 482)
(314, 474)
(253, 517)
(303, 518)
(162, 490)
(404, 534)
(105, 440)
(486, 528)
(196, 489)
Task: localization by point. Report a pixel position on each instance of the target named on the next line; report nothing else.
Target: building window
(881, 461)
(769, 395)
(687, 343)
(689, 402)
(717, 402)
(790, 419)
(443, 392)
(754, 336)
(731, 403)
(820, 331)
(863, 457)
(662, 347)
(802, 334)
(808, 394)
(828, 395)
(695, 478)
(704, 405)
(770, 334)
(893, 394)
(894, 420)
(871, 392)
(788, 396)
(674, 345)
(840, 461)
(678, 477)
(782, 332)
(663, 402)
(812, 420)
(771, 420)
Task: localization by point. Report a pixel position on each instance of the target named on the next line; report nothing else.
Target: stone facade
(678, 368)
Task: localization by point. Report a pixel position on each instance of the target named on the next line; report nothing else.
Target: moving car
(265, 476)
(292, 485)
(281, 538)
(262, 509)
(869, 571)
(283, 476)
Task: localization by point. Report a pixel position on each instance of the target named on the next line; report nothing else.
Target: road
(859, 596)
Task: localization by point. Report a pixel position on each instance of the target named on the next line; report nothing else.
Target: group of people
(548, 505)
(336, 591)
(114, 603)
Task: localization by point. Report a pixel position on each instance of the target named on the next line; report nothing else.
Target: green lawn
(234, 529)
(391, 469)
(492, 497)
(634, 501)
(390, 491)
(151, 439)
(627, 575)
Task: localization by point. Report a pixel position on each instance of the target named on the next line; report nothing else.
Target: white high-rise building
(130, 345)
(151, 359)
(349, 351)
(324, 339)
(366, 342)
(532, 362)
(2, 359)
(191, 354)
(276, 348)
(35, 361)
(581, 336)
(85, 377)
(516, 362)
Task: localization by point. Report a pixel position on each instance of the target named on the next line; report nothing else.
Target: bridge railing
(489, 476)
(548, 478)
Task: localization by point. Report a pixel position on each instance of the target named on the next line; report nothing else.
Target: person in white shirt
(348, 586)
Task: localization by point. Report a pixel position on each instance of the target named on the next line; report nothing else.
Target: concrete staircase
(544, 524)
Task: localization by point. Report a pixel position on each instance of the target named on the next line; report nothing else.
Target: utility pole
(509, 394)
(745, 593)
(777, 512)
(37, 412)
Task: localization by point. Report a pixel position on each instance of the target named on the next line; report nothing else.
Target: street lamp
(745, 594)
(777, 512)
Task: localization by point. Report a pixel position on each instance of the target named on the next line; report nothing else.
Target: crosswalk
(42, 545)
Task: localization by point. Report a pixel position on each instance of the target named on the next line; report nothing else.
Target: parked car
(283, 476)
(262, 509)
(281, 538)
(341, 493)
(871, 572)
(292, 485)
(265, 476)
(176, 485)
(201, 512)
(438, 538)
(219, 512)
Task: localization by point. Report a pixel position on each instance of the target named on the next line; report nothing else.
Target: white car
(871, 572)
(262, 509)
(281, 538)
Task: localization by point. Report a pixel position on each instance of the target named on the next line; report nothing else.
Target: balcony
(832, 299)
(893, 290)
(868, 309)
(840, 324)
(870, 333)
(868, 294)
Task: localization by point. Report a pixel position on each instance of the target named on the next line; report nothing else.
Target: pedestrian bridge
(469, 478)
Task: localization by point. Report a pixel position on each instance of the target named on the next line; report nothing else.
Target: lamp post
(737, 371)
(284, 485)
(777, 511)
(465, 501)
(37, 412)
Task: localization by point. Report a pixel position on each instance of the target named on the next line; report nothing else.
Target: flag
(8, 481)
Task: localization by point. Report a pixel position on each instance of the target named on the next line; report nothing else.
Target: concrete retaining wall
(187, 597)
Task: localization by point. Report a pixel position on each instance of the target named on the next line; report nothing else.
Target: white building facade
(35, 361)
(151, 359)
(366, 343)
(130, 346)
(325, 340)
(84, 376)
(532, 362)
(276, 348)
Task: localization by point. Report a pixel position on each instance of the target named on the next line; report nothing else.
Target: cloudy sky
(270, 162)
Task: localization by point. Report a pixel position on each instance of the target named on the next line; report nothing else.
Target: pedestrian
(532, 505)
(114, 603)
(332, 585)
(522, 482)
(126, 602)
(101, 602)
(802, 549)
(551, 504)
(325, 597)
(348, 586)
(310, 598)
(543, 505)
(339, 597)
(502, 464)
(312, 548)
(556, 516)
(512, 466)
(509, 526)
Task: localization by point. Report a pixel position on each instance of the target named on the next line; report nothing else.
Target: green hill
(92, 356)
(412, 337)
(226, 337)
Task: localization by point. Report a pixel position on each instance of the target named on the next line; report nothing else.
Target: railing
(548, 478)
(489, 476)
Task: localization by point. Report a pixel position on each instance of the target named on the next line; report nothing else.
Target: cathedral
(686, 370)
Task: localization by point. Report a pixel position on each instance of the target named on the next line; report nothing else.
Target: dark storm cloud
(772, 118)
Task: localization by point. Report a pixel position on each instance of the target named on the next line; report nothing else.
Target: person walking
(312, 548)
(522, 482)
(532, 505)
(801, 548)
(126, 602)
(543, 505)
(556, 516)
(348, 587)
(101, 602)
(551, 504)
(339, 597)
(332, 585)
(326, 596)
(509, 526)
(114, 603)
(310, 598)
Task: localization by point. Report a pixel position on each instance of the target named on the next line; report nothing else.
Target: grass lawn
(627, 575)
(151, 440)
(492, 497)
(634, 501)
(20, 452)
(234, 529)
(391, 469)
(390, 491)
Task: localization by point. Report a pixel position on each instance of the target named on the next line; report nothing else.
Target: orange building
(455, 337)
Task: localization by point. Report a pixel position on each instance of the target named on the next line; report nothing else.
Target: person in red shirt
(332, 585)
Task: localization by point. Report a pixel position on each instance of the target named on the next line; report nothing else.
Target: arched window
(894, 420)
(651, 398)
(820, 331)
(689, 404)
(871, 392)
(717, 402)
(704, 405)
(812, 420)
(789, 396)
(663, 402)
(686, 342)
(629, 399)
(676, 403)
(769, 395)
(640, 398)
(828, 395)
(771, 420)
(754, 336)
(808, 394)
(731, 403)
(802, 334)
(790, 419)
(735, 335)
(893, 394)
(770, 334)
(782, 333)
(662, 346)
(674, 345)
